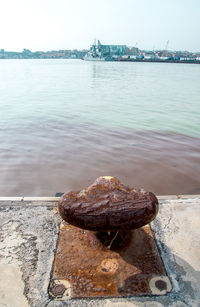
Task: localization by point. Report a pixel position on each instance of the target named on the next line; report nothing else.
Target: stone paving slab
(28, 235)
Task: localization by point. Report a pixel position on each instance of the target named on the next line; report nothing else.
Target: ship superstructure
(99, 52)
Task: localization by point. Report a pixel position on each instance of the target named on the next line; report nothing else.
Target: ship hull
(90, 58)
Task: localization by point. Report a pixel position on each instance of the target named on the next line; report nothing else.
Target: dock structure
(28, 241)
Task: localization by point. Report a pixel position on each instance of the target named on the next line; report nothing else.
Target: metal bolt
(58, 290)
(161, 284)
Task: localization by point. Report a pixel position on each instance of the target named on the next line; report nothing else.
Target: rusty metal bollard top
(108, 205)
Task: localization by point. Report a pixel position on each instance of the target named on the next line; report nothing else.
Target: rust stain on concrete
(92, 270)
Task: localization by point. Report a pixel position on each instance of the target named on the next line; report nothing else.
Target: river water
(63, 123)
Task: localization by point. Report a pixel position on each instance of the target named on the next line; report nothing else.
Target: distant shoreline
(116, 60)
(159, 61)
(120, 60)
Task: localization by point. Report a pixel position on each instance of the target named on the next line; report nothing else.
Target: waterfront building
(112, 49)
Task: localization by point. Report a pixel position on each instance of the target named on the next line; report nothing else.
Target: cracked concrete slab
(11, 286)
(28, 237)
(177, 230)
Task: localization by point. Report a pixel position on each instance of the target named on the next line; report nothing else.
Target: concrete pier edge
(55, 199)
(29, 228)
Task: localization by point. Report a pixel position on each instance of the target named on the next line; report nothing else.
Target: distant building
(112, 49)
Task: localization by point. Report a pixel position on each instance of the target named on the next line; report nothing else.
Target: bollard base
(85, 267)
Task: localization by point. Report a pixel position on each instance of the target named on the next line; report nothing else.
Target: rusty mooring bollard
(105, 255)
(108, 206)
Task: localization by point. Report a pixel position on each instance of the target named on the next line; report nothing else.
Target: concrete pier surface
(28, 235)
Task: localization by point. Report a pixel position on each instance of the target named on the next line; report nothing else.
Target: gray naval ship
(99, 52)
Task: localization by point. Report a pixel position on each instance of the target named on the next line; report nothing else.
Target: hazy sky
(70, 24)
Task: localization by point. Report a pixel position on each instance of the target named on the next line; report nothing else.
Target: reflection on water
(64, 123)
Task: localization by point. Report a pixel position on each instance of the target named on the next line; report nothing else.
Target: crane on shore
(166, 46)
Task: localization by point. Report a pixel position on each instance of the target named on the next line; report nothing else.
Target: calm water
(65, 122)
